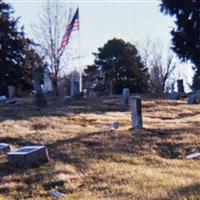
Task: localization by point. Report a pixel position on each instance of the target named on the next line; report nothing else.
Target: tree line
(117, 64)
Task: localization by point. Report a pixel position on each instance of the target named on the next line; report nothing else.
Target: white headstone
(47, 87)
(3, 98)
(193, 155)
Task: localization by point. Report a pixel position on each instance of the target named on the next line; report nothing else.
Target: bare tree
(49, 33)
(161, 65)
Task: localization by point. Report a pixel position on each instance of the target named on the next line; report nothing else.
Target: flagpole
(80, 70)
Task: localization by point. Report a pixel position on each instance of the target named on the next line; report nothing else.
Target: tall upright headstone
(74, 85)
(136, 112)
(47, 81)
(40, 99)
(180, 86)
(11, 92)
(125, 96)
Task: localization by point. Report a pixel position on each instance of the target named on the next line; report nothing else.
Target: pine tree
(118, 65)
(186, 35)
(13, 52)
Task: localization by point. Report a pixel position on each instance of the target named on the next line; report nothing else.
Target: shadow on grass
(60, 108)
(188, 192)
(84, 150)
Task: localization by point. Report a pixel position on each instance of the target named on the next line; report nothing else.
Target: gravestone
(180, 86)
(194, 99)
(74, 86)
(193, 155)
(47, 81)
(114, 125)
(28, 156)
(174, 95)
(4, 147)
(57, 195)
(125, 96)
(11, 92)
(136, 112)
(40, 99)
(3, 99)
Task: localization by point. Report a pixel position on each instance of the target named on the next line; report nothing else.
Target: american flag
(72, 26)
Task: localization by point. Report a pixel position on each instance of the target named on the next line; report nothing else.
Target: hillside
(89, 161)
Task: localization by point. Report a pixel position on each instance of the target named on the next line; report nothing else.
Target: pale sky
(132, 21)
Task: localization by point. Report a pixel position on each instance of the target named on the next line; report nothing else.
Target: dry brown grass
(91, 162)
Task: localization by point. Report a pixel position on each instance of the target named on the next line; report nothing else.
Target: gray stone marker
(180, 86)
(4, 147)
(47, 81)
(136, 111)
(194, 98)
(114, 125)
(125, 96)
(193, 155)
(57, 195)
(40, 99)
(3, 99)
(28, 156)
(11, 92)
(174, 95)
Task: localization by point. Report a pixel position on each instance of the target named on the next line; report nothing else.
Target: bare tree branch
(160, 65)
(49, 33)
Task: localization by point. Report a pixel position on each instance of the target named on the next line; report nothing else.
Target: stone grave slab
(28, 156)
(4, 147)
(193, 155)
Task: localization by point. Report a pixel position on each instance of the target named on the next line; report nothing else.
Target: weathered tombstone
(194, 99)
(3, 99)
(136, 111)
(114, 125)
(74, 89)
(47, 81)
(28, 156)
(4, 147)
(85, 93)
(57, 195)
(75, 84)
(180, 86)
(11, 92)
(40, 99)
(125, 96)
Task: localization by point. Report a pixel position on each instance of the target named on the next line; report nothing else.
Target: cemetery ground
(89, 161)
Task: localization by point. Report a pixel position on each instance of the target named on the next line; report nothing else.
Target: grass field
(91, 162)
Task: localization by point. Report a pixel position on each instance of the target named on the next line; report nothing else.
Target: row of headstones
(26, 156)
(136, 105)
(193, 98)
(136, 110)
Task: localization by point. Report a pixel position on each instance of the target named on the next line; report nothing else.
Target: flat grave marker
(28, 156)
(193, 155)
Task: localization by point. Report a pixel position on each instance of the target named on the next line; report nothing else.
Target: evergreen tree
(118, 65)
(186, 35)
(13, 52)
